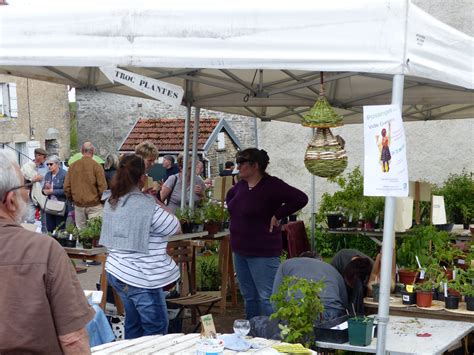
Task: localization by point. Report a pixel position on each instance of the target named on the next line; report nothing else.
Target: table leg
(224, 262)
(233, 289)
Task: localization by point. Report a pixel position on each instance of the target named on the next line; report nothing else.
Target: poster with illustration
(385, 161)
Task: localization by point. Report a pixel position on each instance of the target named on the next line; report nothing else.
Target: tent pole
(197, 111)
(313, 205)
(186, 142)
(388, 241)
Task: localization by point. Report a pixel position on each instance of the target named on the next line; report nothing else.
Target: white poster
(160, 90)
(385, 162)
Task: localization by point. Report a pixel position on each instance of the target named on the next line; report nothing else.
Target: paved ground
(223, 322)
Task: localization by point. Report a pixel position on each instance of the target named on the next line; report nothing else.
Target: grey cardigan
(127, 226)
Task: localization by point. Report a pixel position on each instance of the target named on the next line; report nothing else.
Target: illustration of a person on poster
(384, 148)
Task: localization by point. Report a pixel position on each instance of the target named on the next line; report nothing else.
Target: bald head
(88, 149)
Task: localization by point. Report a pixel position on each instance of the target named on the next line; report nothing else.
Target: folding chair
(184, 254)
(296, 238)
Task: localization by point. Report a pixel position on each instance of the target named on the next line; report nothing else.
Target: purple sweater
(251, 212)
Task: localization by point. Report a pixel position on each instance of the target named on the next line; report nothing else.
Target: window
(221, 141)
(8, 100)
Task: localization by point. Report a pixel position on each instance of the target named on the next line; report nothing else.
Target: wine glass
(241, 327)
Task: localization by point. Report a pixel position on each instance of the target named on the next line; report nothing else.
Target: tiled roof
(167, 133)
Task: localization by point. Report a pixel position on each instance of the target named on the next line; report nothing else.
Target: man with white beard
(42, 305)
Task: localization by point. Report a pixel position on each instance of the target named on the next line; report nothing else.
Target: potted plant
(91, 232)
(466, 287)
(185, 217)
(360, 330)
(298, 308)
(214, 216)
(424, 294)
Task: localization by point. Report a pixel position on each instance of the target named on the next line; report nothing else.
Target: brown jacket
(41, 297)
(85, 182)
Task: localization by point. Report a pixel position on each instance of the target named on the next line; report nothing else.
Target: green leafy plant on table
(298, 308)
(91, 232)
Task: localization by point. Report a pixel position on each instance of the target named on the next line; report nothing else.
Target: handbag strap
(172, 189)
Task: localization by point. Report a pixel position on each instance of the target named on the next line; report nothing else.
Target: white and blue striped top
(154, 270)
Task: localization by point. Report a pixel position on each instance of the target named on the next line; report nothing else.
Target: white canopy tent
(250, 58)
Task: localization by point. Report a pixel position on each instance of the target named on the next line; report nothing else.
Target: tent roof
(248, 58)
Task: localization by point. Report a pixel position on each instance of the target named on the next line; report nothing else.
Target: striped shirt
(154, 270)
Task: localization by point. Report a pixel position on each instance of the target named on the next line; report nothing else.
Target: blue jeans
(145, 309)
(256, 276)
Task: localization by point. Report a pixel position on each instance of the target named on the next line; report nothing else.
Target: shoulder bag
(55, 207)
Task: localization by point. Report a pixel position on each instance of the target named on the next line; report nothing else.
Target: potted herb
(185, 217)
(298, 308)
(466, 280)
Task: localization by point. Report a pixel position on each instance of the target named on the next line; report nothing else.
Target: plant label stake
(445, 286)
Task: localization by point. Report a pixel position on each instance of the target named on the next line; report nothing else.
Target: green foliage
(92, 230)
(350, 199)
(417, 243)
(464, 282)
(214, 212)
(208, 276)
(73, 141)
(298, 307)
(458, 192)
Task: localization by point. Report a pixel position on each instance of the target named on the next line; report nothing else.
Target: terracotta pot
(212, 227)
(407, 277)
(424, 298)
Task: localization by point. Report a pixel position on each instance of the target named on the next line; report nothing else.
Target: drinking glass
(241, 327)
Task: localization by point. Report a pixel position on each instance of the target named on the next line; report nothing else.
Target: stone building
(105, 119)
(34, 113)
(217, 143)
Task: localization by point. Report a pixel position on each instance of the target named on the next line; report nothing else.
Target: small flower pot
(62, 241)
(375, 292)
(186, 227)
(469, 302)
(212, 227)
(407, 277)
(424, 298)
(451, 302)
(360, 331)
(69, 243)
(408, 298)
(334, 220)
(87, 244)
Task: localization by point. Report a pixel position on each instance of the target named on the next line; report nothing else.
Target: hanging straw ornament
(325, 155)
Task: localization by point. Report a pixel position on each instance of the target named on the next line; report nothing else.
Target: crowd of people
(137, 220)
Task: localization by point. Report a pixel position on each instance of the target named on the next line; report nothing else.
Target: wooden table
(402, 336)
(413, 311)
(225, 265)
(100, 255)
(175, 344)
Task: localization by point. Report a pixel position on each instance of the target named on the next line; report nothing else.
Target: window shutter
(221, 140)
(2, 110)
(13, 100)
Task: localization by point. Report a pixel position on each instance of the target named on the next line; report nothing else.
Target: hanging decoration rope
(325, 155)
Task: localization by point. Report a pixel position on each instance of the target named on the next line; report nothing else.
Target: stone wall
(220, 156)
(106, 119)
(44, 108)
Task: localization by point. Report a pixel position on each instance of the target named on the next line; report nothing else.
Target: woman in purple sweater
(256, 205)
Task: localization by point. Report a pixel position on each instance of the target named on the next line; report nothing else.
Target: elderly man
(170, 166)
(43, 308)
(35, 172)
(84, 184)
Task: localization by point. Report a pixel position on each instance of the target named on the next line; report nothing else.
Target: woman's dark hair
(359, 268)
(130, 170)
(253, 155)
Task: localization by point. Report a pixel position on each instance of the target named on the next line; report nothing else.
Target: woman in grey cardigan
(53, 188)
(135, 230)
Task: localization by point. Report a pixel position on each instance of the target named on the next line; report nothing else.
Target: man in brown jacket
(84, 184)
(43, 308)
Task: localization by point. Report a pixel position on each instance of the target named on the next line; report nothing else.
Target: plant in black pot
(466, 279)
(185, 217)
(214, 216)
